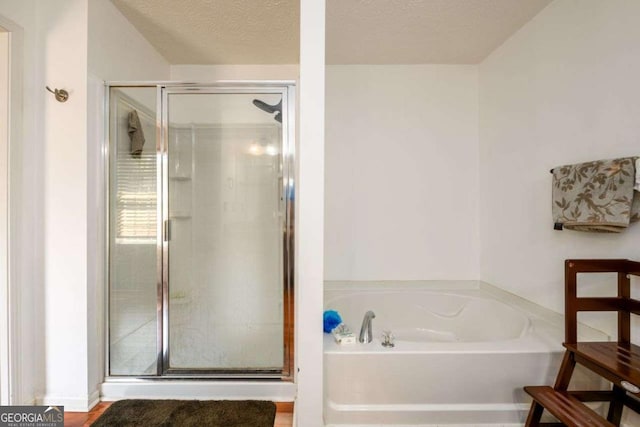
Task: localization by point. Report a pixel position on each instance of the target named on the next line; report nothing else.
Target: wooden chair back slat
(623, 304)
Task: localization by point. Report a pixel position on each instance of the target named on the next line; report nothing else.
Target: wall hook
(61, 94)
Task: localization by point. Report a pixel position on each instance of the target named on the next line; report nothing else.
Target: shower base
(116, 389)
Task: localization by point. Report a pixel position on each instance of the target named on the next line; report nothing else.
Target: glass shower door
(224, 215)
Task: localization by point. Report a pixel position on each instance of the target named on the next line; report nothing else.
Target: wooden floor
(284, 415)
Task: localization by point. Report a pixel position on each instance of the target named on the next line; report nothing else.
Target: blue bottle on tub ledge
(331, 319)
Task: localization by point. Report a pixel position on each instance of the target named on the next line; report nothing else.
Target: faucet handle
(387, 339)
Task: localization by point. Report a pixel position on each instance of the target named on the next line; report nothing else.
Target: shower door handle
(167, 230)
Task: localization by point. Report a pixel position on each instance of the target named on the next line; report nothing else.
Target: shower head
(270, 108)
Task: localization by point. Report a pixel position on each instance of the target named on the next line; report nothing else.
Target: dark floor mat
(188, 413)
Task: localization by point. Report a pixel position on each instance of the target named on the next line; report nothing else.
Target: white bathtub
(463, 352)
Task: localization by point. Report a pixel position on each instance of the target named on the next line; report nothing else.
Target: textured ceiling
(218, 31)
(422, 31)
(358, 31)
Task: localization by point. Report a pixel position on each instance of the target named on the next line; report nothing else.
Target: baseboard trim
(94, 398)
(71, 404)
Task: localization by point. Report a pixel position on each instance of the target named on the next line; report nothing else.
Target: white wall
(26, 198)
(63, 28)
(4, 217)
(95, 234)
(117, 49)
(402, 172)
(309, 232)
(564, 89)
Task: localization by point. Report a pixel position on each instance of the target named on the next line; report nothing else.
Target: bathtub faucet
(366, 327)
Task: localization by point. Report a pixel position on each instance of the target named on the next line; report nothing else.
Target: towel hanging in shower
(136, 135)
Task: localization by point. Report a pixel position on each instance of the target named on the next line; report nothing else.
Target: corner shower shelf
(180, 215)
(617, 362)
(180, 178)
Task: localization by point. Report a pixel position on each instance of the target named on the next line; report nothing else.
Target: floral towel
(596, 196)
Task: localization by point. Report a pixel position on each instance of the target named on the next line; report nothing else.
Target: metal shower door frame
(287, 91)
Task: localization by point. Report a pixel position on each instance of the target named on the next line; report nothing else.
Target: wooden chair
(617, 362)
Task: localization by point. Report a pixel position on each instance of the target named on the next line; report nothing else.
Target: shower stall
(200, 230)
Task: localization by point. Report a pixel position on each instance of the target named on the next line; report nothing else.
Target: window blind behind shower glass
(136, 197)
